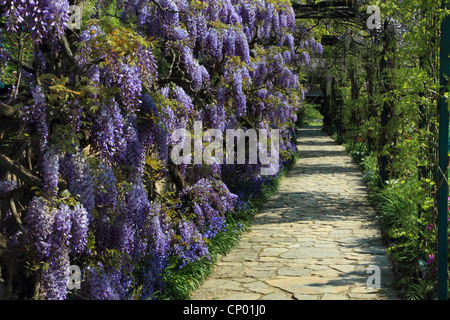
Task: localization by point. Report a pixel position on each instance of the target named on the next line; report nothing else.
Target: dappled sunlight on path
(314, 239)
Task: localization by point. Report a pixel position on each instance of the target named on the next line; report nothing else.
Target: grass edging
(181, 283)
(388, 205)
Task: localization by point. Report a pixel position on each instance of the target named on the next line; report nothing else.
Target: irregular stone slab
(325, 245)
(222, 284)
(327, 273)
(346, 268)
(301, 296)
(272, 252)
(261, 273)
(364, 296)
(259, 287)
(210, 294)
(311, 253)
(267, 259)
(332, 296)
(264, 240)
(295, 272)
(302, 240)
(293, 262)
(338, 234)
(363, 290)
(317, 267)
(229, 271)
(241, 255)
(276, 296)
(243, 296)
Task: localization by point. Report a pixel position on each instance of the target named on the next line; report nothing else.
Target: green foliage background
(384, 109)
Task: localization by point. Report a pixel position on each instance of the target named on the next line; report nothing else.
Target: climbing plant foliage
(87, 178)
(385, 92)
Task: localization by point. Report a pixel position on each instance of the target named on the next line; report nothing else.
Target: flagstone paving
(313, 240)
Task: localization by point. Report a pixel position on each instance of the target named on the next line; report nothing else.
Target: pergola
(348, 11)
(329, 9)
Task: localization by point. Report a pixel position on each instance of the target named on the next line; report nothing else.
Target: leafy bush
(406, 219)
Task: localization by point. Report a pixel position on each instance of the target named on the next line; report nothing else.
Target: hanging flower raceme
(79, 229)
(105, 187)
(101, 284)
(7, 186)
(152, 129)
(77, 172)
(230, 64)
(38, 222)
(198, 74)
(55, 232)
(191, 246)
(55, 277)
(209, 198)
(129, 80)
(242, 48)
(214, 43)
(36, 114)
(42, 18)
(239, 96)
(50, 173)
(108, 130)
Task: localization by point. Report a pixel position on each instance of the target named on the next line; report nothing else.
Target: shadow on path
(314, 239)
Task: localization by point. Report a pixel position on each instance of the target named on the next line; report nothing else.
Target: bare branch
(164, 9)
(15, 214)
(66, 50)
(6, 110)
(19, 66)
(20, 171)
(92, 63)
(172, 64)
(247, 121)
(24, 174)
(177, 178)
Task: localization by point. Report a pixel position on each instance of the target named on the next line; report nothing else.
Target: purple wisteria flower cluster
(102, 112)
(36, 114)
(43, 18)
(7, 186)
(210, 199)
(56, 233)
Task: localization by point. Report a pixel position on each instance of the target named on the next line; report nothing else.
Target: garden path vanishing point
(314, 239)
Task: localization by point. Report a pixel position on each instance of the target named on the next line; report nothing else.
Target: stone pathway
(313, 240)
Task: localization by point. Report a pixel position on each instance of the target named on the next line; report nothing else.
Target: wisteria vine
(104, 106)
